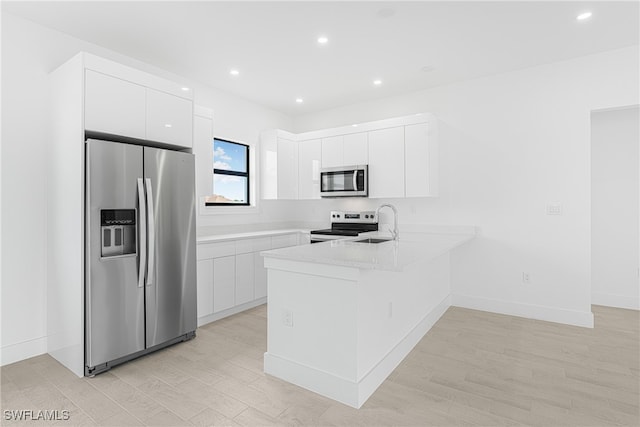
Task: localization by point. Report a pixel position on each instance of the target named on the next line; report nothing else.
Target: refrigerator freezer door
(171, 297)
(114, 303)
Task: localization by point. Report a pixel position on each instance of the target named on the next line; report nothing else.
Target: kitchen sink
(372, 240)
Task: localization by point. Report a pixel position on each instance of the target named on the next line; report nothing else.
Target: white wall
(509, 145)
(29, 53)
(615, 186)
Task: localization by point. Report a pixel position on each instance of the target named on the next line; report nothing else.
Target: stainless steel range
(346, 224)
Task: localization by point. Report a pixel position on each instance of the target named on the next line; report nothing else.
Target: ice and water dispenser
(118, 232)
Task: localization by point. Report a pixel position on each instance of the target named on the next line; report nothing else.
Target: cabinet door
(332, 155)
(169, 119)
(205, 287)
(386, 162)
(269, 165)
(356, 150)
(309, 157)
(417, 161)
(244, 278)
(260, 276)
(114, 106)
(287, 169)
(203, 151)
(224, 283)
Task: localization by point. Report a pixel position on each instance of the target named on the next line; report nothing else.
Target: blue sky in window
(229, 156)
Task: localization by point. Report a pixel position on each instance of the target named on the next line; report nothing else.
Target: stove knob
(366, 216)
(338, 215)
(333, 216)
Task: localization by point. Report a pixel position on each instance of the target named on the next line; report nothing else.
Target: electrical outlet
(554, 208)
(287, 318)
(526, 277)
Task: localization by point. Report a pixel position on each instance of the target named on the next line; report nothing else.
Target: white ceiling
(273, 44)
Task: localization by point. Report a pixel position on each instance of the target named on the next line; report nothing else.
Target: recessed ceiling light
(299, 100)
(186, 89)
(234, 72)
(377, 82)
(583, 16)
(167, 125)
(355, 126)
(323, 40)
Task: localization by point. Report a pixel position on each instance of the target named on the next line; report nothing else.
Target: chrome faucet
(394, 232)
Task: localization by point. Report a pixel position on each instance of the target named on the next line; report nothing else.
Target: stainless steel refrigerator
(140, 262)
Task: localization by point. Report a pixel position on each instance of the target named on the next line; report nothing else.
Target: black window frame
(233, 173)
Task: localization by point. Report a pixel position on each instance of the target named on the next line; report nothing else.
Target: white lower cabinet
(244, 278)
(224, 283)
(205, 287)
(231, 274)
(260, 276)
(284, 241)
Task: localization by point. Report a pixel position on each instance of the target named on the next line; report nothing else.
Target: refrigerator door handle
(142, 233)
(152, 233)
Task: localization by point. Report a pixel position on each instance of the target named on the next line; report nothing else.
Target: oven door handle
(355, 180)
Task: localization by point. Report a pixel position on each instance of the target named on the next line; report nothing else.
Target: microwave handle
(355, 180)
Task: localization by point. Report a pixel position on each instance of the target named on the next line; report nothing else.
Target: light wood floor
(472, 368)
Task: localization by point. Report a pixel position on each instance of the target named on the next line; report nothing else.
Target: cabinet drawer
(284, 241)
(261, 244)
(216, 250)
(245, 246)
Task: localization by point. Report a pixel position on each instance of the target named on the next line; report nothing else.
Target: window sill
(226, 210)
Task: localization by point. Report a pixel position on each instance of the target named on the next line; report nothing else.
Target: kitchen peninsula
(343, 314)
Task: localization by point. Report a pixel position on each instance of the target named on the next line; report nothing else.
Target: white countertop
(247, 235)
(392, 256)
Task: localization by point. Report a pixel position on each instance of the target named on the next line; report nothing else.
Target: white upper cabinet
(355, 149)
(203, 149)
(114, 105)
(402, 154)
(287, 169)
(386, 162)
(345, 150)
(169, 119)
(421, 162)
(128, 102)
(309, 157)
(279, 165)
(333, 151)
(269, 164)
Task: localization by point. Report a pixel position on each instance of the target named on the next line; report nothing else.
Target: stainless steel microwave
(344, 181)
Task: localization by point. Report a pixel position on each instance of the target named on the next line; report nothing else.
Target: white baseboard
(613, 300)
(539, 312)
(24, 350)
(350, 392)
(230, 312)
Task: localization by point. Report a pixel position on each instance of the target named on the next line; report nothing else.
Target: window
(230, 174)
